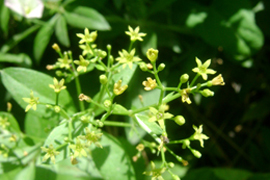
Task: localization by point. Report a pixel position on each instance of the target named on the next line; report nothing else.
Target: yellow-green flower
(64, 62)
(78, 148)
(32, 102)
(150, 84)
(4, 122)
(118, 88)
(58, 86)
(185, 98)
(82, 64)
(50, 153)
(159, 115)
(198, 135)
(87, 49)
(202, 68)
(92, 137)
(152, 54)
(127, 58)
(135, 34)
(155, 172)
(87, 37)
(218, 80)
(4, 150)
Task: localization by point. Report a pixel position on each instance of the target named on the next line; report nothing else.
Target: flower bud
(103, 79)
(49, 67)
(161, 67)
(218, 80)
(207, 93)
(57, 109)
(56, 47)
(175, 177)
(109, 47)
(99, 123)
(184, 78)
(9, 107)
(171, 164)
(107, 103)
(152, 55)
(196, 153)
(118, 88)
(180, 120)
(143, 66)
(111, 59)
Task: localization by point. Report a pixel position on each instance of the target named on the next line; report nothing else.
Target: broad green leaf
(112, 160)
(20, 59)
(14, 126)
(20, 81)
(4, 19)
(124, 74)
(18, 37)
(150, 127)
(42, 38)
(61, 31)
(40, 126)
(28, 173)
(230, 26)
(10, 174)
(120, 110)
(85, 17)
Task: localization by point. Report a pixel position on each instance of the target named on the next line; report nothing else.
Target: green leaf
(119, 110)
(85, 17)
(20, 81)
(14, 126)
(4, 19)
(112, 160)
(18, 37)
(124, 74)
(42, 39)
(10, 174)
(231, 174)
(150, 127)
(20, 59)
(40, 126)
(61, 31)
(27, 173)
(230, 26)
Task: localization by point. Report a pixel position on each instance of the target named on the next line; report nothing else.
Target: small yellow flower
(198, 135)
(185, 98)
(202, 68)
(92, 137)
(82, 64)
(64, 62)
(50, 153)
(57, 86)
(78, 148)
(4, 151)
(140, 147)
(87, 37)
(159, 115)
(32, 102)
(152, 54)
(4, 122)
(150, 84)
(218, 80)
(87, 49)
(127, 58)
(56, 47)
(155, 172)
(135, 34)
(118, 88)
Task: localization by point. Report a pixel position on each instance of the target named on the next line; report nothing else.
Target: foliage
(234, 34)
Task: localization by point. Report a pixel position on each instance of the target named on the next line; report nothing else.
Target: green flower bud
(184, 78)
(175, 177)
(143, 66)
(99, 123)
(152, 54)
(59, 73)
(180, 159)
(107, 103)
(109, 47)
(57, 109)
(180, 120)
(196, 153)
(103, 79)
(111, 59)
(161, 67)
(171, 164)
(207, 93)
(56, 47)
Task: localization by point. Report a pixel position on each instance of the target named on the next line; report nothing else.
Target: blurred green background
(233, 33)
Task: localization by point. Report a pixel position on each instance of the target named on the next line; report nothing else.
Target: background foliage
(233, 33)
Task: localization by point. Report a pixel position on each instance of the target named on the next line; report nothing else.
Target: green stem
(56, 99)
(130, 45)
(194, 80)
(119, 124)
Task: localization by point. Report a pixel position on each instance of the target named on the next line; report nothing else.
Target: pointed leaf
(20, 59)
(85, 17)
(61, 31)
(14, 126)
